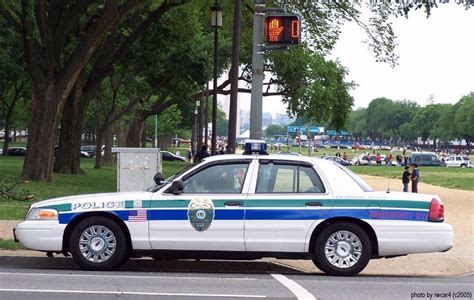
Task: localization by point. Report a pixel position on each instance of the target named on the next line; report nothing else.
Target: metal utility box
(136, 168)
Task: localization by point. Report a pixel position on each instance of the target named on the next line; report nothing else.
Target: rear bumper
(413, 237)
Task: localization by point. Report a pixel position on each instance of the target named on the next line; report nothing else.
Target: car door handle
(233, 203)
(313, 204)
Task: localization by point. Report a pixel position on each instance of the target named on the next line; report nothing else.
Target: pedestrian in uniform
(406, 179)
(415, 177)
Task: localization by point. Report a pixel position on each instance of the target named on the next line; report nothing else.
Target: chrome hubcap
(97, 244)
(343, 249)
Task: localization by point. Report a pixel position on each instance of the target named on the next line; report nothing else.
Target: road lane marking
(128, 276)
(129, 293)
(299, 291)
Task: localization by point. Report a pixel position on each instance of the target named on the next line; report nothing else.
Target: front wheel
(98, 243)
(342, 249)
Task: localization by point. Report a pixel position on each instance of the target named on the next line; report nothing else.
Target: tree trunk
(109, 143)
(6, 141)
(135, 131)
(98, 149)
(42, 132)
(68, 156)
(121, 136)
(143, 137)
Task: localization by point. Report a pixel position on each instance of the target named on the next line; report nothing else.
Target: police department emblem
(201, 213)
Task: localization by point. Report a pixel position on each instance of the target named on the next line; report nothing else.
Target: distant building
(282, 119)
(267, 119)
(244, 120)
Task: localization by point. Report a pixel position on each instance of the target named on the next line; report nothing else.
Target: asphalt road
(59, 278)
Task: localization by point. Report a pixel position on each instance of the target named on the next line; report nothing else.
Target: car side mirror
(158, 178)
(177, 187)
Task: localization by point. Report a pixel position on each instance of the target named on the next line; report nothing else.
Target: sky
(436, 60)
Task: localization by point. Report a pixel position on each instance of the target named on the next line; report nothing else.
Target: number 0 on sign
(283, 30)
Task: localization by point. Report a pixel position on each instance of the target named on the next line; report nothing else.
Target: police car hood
(103, 197)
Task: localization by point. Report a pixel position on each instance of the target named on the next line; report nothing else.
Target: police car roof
(271, 156)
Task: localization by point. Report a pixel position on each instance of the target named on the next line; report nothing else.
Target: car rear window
(360, 182)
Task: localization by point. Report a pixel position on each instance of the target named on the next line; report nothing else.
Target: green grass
(9, 245)
(93, 181)
(457, 178)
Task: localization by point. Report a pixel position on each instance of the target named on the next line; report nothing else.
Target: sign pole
(257, 71)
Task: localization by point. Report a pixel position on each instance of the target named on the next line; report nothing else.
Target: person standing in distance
(406, 179)
(415, 177)
(201, 154)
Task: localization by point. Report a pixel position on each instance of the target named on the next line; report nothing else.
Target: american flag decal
(137, 215)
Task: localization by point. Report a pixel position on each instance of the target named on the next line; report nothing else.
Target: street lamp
(216, 22)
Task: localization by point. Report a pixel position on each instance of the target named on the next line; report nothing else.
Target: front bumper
(14, 236)
(40, 235)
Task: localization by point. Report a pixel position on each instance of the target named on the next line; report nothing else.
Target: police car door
(208, 214)
(285, 203)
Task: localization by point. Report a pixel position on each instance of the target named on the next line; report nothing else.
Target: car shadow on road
(151, 265)
(179, 266)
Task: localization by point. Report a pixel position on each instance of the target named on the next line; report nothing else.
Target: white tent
(244, 135)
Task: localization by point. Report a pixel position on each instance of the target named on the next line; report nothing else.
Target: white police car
(246, 207)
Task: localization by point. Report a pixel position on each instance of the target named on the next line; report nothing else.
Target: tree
(114, 54)
(377, 113)
(181, 40)
(275, 129)
(63, 38)
(426, 119)
(311, 85)
(14, 85)
(464, 119)
(357, 123)
(60, 38)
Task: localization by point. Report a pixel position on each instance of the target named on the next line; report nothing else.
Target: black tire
(109, 239)
(351, 238)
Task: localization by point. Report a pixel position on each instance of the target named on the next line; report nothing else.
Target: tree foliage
(312, 86)
(275, 129)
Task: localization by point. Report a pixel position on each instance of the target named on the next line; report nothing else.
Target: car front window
(288, 178)
(217, 179)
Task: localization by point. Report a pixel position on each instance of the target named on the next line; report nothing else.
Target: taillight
(436, 211)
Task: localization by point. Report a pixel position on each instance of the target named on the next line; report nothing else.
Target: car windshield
(363, 185)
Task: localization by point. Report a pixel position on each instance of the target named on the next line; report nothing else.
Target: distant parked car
(166, 155)
(90, 150)
(458, 161)
(338, 160)
(16, 151)
(425, 159)
(84, 154)
(361, 160)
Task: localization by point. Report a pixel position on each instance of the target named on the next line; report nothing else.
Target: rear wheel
(342, 249)
(98, 243)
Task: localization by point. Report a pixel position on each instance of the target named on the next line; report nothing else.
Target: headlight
(42, 214)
